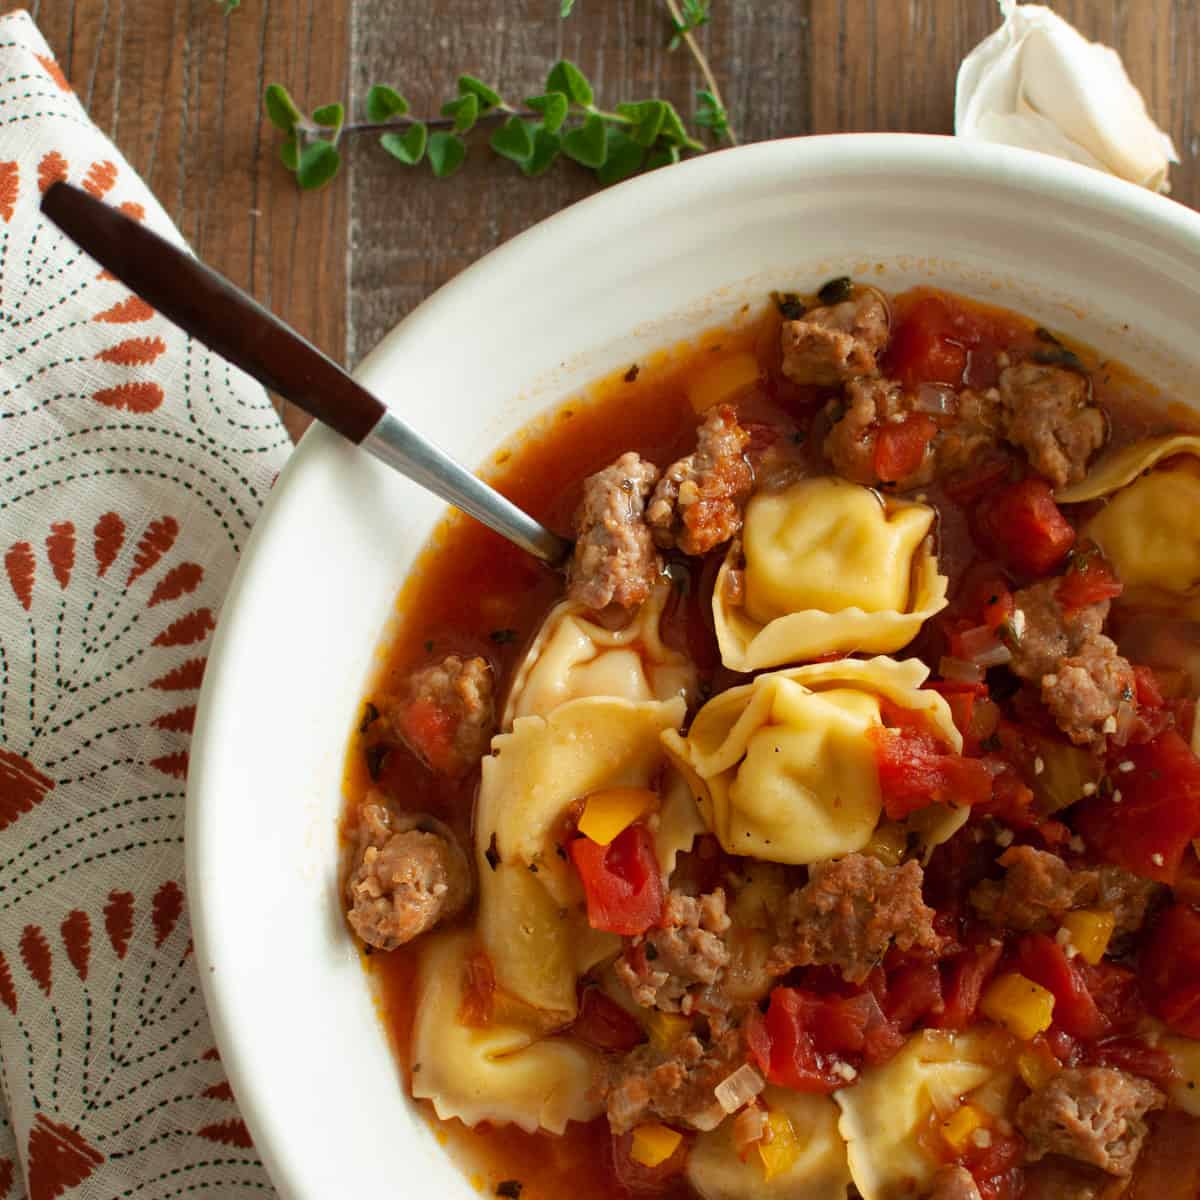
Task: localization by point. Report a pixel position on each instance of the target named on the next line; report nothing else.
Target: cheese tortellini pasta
(507, 1071)
(531, 916)
(1147, 527)
(574, 655)
(884, 1112)
(827, 566)
(784, 769)
(820, 1171)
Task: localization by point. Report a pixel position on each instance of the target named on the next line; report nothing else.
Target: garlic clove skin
(1038, 83)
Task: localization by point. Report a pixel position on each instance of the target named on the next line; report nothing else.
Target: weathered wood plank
(179, 87)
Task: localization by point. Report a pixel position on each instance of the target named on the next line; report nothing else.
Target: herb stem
(495, 114)
(701, 60)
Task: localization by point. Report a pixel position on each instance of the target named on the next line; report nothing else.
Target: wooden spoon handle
(212, 310)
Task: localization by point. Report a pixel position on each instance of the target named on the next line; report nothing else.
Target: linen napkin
(132, 465)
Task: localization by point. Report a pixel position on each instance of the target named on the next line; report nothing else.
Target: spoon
(211, 309)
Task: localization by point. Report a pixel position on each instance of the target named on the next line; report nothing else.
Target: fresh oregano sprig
(694, 13)
(562, 120)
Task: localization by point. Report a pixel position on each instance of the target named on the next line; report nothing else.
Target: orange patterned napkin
(132, 466)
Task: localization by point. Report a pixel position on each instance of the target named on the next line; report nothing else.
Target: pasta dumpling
(783, 768)
(531, 918)
(828, 566)
(1115, 471)
(820, 1171)
(505, 1072)
(1184, 1089)
(886, 1109)
(574, 655)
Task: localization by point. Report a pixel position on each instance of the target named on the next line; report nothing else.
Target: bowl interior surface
(624, 273)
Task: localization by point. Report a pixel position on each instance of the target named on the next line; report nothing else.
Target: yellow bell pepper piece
(654, 1143)
(1023, 1007)
(722, 379)
(958, 1127)
(607, 813)
(888, 843)
(1091, 930)
(665, 1029)
(780, 1152)
(1037, 1066)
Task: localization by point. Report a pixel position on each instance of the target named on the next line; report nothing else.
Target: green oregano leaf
(409, 146)
(553, 107)
(384, 103)
(330, 116)
(468, 85)
(647, 117)
(587, 143)
(564, 9)
(567, 78)
(673, 129)
(281, 108)
(711, 114)
(546, 148)
(446, 153)
(289, 152)
(513, 140)
(318, 164)
(464, 110)
(623, 157)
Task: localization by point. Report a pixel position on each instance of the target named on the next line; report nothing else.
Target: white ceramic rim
(1165, 228)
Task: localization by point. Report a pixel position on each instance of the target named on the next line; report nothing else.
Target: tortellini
(784, 769)
(1114, 471)
(819, 1172)
(1184, 1089)
(829, 566)
(506, 1072)
(886, 1109)
(531, 918)
(574, 655)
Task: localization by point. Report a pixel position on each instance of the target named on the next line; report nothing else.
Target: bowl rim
(855, 155)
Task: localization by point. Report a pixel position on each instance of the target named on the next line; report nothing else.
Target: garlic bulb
(1038, 83)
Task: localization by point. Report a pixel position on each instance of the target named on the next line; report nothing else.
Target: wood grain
(178, 87)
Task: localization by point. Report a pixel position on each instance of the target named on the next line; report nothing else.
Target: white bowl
(627, 271)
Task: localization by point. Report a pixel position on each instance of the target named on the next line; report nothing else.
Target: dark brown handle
(214, 311)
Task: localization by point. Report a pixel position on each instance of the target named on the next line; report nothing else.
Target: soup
(828, 830)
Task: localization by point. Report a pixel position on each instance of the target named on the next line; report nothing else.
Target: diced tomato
(1025, 526)
(639, 1180)
(998, 609)
(1149, 693)
(900, 448)
(915, 771)
(914, 991)
(1149, 832)
(479, 990)
(1115, 990)
(1087, 580)
(966, 977)
(995, 1167)
(784, 1048)
(1012, 803)
(428, 730)
(1170, 969)
(603, 1023)
(1133, 1055)
(967, 487)
(621, 881)
(922, 349)
(1044, 961)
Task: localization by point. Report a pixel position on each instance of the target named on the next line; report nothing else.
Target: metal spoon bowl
(215, 312)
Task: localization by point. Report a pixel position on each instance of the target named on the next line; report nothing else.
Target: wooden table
(178, 86)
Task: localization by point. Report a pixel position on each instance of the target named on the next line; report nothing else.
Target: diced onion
(709, 1119)
(936, 398)
(982, 647)
(944, 1097)
(748, 1127)
(1125, 717)
(739, 1089)
(959, 670)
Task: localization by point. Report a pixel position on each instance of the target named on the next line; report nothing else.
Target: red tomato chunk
(900, 448)
(1025, 526)
(1170, 969)
(1044, 961)
(621, 881)
(914, 772)
(966, 978)
(602, 1022)
(925, 346)
(1150, 830)
(1087, 580)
